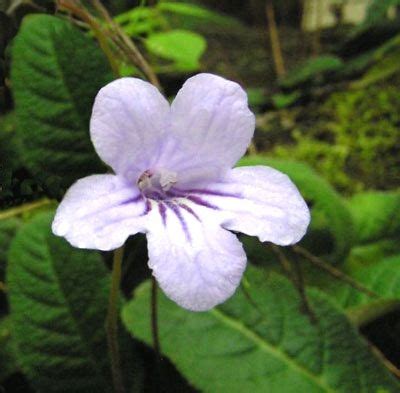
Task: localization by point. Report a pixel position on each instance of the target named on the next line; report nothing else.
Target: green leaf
(382, 70)
(184, 48)
(383, 278)
(308, 71)
(140, 20)
(376, 215)
(378, 10)
(56, 73)
(282, 101)
(262, 342)
(194, 11)
(58, 300)
(331, 233)
(8, 228)
(8, 365)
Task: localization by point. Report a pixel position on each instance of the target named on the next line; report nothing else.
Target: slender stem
(131, 49)
(296, 277)
(386, 362)
(320, 263)
(76, 8)
(112, 321)
(274, 38)
(154, 318)
(17, 211)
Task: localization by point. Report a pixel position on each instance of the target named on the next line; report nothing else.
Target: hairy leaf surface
(58, 300)
(56, 72)
(262, 342)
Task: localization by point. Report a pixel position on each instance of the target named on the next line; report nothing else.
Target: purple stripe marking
(178, 213)
(189, 210)
(201, 202)
(163, 212)
(135, 199)
(209, 192)
(147, 208)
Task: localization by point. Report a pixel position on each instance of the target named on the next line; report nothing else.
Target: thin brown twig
(76, 8)
(3, 287)
(385, 361)
(19, 210)
(275, 41)
(320, 263)
(131, 48)
(297, 279)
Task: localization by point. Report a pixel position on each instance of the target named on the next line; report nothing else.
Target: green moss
(355, 141)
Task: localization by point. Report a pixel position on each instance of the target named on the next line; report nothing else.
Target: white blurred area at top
(321, 13)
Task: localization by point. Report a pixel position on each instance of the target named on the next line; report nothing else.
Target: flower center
(154, 183)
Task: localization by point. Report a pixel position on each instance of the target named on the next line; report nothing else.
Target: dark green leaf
(8, 228)
(58, 300)
(262, 343)
(311, 69)
(56, 73)
(8, 365)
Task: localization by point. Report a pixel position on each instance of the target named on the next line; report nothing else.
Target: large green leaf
(263, 343)
(56, 73)
(331, 231)
(376, 215)
(58, 300)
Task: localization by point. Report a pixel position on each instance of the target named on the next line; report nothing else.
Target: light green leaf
(194, 11)
(58, 300)
(331, 233)
(376, 215)
(56, 73)
(262, 343)
(184, 48)
(382, 278)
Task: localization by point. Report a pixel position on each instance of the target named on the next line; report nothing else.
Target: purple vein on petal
(189, 210)
(201, 202)
(147, 207)
(135, 199)
(181, 219)
(209, 192)
(163, 212)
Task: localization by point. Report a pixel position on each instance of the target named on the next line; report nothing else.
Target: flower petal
(212, 126)
(197, 263)
(258, 201)
(129, 118)
(100, 212)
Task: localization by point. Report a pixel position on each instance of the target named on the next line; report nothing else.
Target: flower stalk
(112, 321)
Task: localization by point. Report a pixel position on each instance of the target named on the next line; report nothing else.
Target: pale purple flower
(174, 182)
